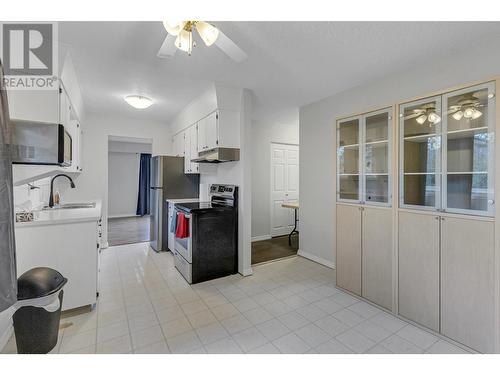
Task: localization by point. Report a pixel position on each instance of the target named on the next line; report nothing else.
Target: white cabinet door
(187, 149)
(202, 135)
(419, 268)
(211, 131)
(178, 143)
(284, 187)
(193, 138)
(80, 148)
(377, 256)
(37, 105)
(467, 282)
(349, 248)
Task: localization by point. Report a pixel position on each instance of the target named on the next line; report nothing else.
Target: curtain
(144, 174)
(8, 277)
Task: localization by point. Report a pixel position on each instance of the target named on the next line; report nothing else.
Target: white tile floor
(289, 306)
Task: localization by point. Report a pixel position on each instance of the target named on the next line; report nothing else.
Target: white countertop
(184, 200)
(64, 216)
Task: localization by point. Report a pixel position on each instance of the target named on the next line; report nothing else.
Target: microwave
(40, 143)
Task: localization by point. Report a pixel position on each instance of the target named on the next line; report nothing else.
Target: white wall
(123, 178)
(123, 184)
(200, 107)
(93, 181)
(317, 135)
(264, 132)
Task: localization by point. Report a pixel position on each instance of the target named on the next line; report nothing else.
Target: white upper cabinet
(190, 149)
(34, 105)
(363, 158)
(193, 148)
(447, 152)
(178, 144)
(208, 132)
(185, 145)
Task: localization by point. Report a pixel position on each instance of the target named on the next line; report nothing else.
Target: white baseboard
(122, 216)
(261, 238)
(316, 259)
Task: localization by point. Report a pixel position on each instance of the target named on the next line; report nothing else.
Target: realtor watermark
(29, 55)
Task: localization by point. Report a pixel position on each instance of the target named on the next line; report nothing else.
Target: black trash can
(36, 321)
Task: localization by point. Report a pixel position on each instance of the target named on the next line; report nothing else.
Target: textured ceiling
(289, 63)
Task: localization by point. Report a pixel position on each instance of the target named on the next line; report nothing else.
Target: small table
(295, 207)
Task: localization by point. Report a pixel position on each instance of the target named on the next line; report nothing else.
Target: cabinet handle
(491, 202)
(442, 219)
(437, 218)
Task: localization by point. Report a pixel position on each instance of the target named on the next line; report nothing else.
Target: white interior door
(284, 186)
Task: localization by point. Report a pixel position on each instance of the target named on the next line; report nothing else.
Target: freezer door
(176, 184)
(155, 217)
(156, 171)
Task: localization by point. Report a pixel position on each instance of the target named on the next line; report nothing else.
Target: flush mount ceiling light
(138, 101)
(180, 35)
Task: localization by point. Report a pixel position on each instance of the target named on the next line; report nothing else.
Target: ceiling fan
(180, 36)
(427, 112)
(468, 107)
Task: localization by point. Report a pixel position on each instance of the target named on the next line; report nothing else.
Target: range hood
(218, 155)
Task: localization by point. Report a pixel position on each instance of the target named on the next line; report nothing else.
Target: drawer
(183, 266)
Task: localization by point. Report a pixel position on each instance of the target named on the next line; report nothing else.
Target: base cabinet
(446, 276)
(419, 268)
(467, 282)
(364, 252)
(349, 248)
(71, 249)
(376, 258)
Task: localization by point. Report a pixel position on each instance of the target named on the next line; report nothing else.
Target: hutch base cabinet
(364, 252)
(429, 252)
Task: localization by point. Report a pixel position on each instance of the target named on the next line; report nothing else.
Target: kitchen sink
(71, 206)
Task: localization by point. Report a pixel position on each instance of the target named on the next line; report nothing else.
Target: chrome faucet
(51, 198)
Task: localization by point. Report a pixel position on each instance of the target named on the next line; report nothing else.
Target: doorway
(126, 223)
(284, 190)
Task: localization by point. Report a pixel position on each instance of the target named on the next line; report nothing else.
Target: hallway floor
(127, 230)
(288, 306)
(274, 248)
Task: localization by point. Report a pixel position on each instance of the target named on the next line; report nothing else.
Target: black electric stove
(211, 249)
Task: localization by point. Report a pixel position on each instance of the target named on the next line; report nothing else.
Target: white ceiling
(289, 63)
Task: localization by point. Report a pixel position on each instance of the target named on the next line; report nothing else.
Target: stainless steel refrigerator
(168, 181)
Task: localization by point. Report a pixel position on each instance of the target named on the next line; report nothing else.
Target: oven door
(184, 246)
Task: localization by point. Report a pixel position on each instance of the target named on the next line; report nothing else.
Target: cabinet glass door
(348, 159)
(376, 152)
(420, 144)
(468, 150)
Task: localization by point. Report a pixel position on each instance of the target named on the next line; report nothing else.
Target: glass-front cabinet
(447, 152)
(363, 158)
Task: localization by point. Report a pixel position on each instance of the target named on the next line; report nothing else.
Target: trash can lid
(39, 282)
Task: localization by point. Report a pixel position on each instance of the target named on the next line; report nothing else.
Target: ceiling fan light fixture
(208, 33)
(458, 115)
(421, 119)
(184, 41)
(174, 27)
(138, 101)
(434, 118)
(468, 112)
(477, 113)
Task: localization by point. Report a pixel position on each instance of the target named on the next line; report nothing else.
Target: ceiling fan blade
(230, 48)
(413, 115)
(168, 48)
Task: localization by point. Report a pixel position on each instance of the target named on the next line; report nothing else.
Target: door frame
(271, 174)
